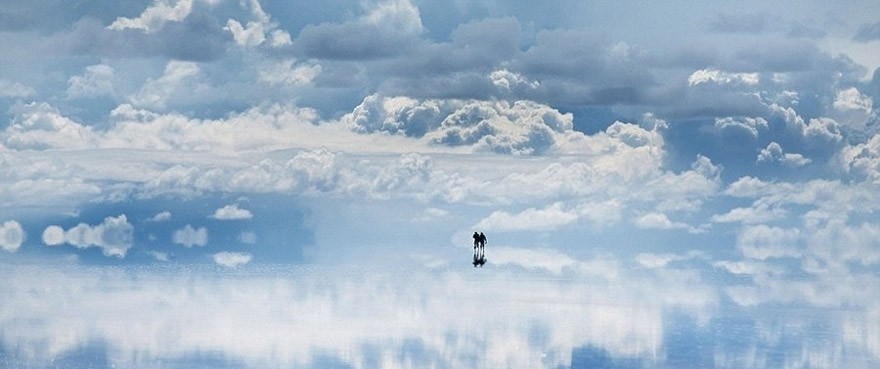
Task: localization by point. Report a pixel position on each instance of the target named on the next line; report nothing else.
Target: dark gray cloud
(777, 55)
(805, 30)
(474, 47)
(584, 68)
(352, 41)
(765, 23)
(47, 16)
(868, 33)
(743, 23)
(199, 37)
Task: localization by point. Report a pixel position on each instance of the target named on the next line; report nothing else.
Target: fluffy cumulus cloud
(11, 236)
(289, 72)
(114, 236)
(161, 216)
(40, 126)
(547, 219)
(97, 80)
(177, 79)
(852, 99)
(232, 212)
(747, 124)
(774, 153)
(661, 221)
(508, 80)
(189, 236)
(53, 235)
(232, 259)
(863, 159)
(522, 128)
(154, 16)
(258, 30)
(14, 89)
(722, 78)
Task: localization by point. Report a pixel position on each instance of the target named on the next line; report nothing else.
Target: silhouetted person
(482, 245)
(476, 242)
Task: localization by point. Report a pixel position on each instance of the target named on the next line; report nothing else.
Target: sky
(731, 149)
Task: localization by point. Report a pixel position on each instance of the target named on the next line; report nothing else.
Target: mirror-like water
(347, 317)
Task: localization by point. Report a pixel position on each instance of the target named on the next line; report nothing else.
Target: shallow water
(413, 317)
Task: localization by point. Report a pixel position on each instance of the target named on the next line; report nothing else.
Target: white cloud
(661, 221)
(555, 262)
(257, 30)
(763, 242)
(822, 129)
(508, 80)
(837, 244)
(154, 16)
(39, 125)
(251, 34)
(758, 213)
(155, 93)
(189, 236)
(11, 236)
(722, 78)
(147, 317)
(226, 155)
(521, 128)
(774, 153)
(289, 72)
(279, 38)
(852, 99)
(863, 158)
(114, 236)
(750, 187)
(162, 216)
(232, 212)
(650, 260)
(159, 256)
(53, 235)
(96, 80)
(748, 124)
(232, 259)
(399, 15)
(755, 268)
(248, 237)
(29, 179)
(15, 89)
(546, 219)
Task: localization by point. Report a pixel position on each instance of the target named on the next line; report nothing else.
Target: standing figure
(482, 245)
(476, 242)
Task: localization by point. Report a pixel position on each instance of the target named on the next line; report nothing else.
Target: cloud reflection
(404, 318)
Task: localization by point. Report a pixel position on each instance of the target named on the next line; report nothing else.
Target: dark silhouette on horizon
(479, 249)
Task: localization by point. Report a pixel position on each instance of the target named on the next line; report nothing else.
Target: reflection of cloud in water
(400, 318)
(390, 319)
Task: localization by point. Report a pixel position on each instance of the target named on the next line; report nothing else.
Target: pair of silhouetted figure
(479, 249)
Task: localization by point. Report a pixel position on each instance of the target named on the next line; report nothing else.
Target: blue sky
(739, 141)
